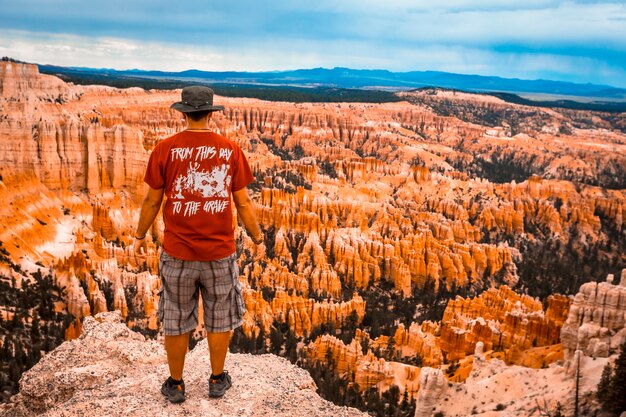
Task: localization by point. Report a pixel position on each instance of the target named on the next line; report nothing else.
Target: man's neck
(197, 127)
(202, 124)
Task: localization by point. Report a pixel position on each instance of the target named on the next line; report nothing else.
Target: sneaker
(217, 387)
(175, 393)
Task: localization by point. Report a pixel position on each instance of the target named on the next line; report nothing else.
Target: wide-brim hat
(196, 98)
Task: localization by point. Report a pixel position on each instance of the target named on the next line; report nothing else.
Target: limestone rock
(417, 340)
(495, 389)
(432, 383)
(596, 323)
(500, 319)
(114, 371)
(302, 314)
(366, 369)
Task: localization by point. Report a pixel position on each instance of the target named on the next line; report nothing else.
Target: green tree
(260, 341)
(35, 332)
(276, 339)
(617, 392)
(612, 386)
(291, 346)
(604, 384)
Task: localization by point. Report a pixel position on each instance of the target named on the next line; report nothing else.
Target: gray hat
(196, 98)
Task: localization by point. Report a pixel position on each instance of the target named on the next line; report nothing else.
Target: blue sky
(580, 41)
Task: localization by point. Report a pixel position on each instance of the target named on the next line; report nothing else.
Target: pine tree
(16, 323)
(35, 333)
(391, 348)
(235, 341)
(405, 405)
(375, 328)
(612, 387)
(260, 341)
(617, 389)
(604, 384)
(291, 346)
(6, 350)
(558, 412)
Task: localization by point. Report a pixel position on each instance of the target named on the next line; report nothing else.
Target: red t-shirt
(199, 171)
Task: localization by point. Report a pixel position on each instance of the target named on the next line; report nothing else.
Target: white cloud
(555, 23)
(280, 54)
(72, 50)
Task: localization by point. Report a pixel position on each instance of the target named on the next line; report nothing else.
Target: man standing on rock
(198, 171)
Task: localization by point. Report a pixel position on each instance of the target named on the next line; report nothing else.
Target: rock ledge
(111, 370)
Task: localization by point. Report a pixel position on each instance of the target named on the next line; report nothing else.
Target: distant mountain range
(374, 79)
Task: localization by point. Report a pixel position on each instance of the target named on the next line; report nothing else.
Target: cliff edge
(111, 370)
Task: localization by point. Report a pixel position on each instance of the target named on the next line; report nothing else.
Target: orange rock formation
(509, 326)
(356, 195)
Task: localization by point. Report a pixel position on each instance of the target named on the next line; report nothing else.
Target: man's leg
(176, 348)
(223, 311)
(218, 346)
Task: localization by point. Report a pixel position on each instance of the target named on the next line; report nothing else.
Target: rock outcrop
(495, 389)
(500, 319)
(96, 286)
(592, 333)
(52, 131)
(365, 369)
(113, 371)
(21, 81)
(502, 324)
(432, 382)
(502, 135)
(596, 324)
(301, 314)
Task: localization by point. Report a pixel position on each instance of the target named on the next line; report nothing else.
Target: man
(198, 171)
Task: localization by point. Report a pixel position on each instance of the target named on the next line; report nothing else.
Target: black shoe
(174, 392)
(217, 387)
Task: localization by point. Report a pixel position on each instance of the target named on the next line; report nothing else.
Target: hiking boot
(217, 387)
(175, 393)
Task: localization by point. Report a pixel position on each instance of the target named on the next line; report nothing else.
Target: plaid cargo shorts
(181, 281)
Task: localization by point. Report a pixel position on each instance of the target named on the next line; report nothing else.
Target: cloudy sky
(576, 40)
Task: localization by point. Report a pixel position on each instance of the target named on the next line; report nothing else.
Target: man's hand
(258, 240)
(246, 211)
(140, 248)
(149, 209)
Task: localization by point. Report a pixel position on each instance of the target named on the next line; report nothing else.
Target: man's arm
(245, 209)
(149, 210)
